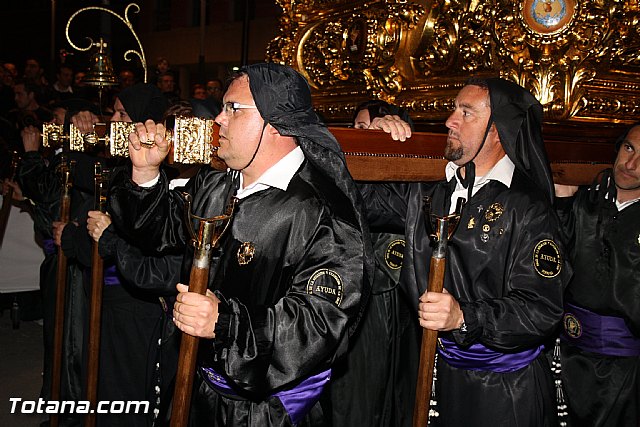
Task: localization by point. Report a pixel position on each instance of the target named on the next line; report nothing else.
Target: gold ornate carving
(119, 138)
(579, 58)
(191, 139)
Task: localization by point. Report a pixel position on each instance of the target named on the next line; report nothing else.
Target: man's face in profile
(467, 124)
(626, 169)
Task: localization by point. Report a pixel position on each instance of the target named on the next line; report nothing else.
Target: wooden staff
(209, 233)
(95, 308)
(7, 199)
(61, 287)
(445, 228)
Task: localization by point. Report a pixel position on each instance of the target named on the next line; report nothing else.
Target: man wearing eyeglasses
(285, 293)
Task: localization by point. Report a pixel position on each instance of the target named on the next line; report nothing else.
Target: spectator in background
(6, 91)
(198, 102)
(34, 72)
(12, 74)
(198, 92)
(78, 79)
(215, 90)
(127, 79)
(162, 67)
(167, 85)
(28, 110)
(62, 88)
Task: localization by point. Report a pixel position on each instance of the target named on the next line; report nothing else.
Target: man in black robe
(131, 319)
(601, 334)
(41, 183)
(287, 286)
(505, 270)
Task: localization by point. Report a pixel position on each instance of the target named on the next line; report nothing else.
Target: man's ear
(493, 133)
(271, 130)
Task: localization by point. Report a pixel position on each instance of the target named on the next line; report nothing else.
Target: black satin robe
(507, 305)
(602, 390)
(152, 277)
(275, 327)
(40, 183)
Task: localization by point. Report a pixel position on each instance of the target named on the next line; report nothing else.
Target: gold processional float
(581, 59)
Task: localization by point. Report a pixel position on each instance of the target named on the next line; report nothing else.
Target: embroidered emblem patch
(245, 253)
(326, 283)
(572, 325)
(547, 259)
(472, 223)
(394, 254)
(494, 212)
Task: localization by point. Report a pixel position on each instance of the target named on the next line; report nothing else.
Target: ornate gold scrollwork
(579, 58)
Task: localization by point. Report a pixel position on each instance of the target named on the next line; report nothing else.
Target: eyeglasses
(231, 107)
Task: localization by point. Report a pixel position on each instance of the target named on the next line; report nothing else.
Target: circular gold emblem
(394, 254)
(326, 283)
(245, 253)
(494, 212)
(547, 259)
(572, 325)
(548, 16)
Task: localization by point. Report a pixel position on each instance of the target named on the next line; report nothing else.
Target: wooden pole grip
(93, 342)
(198, 282)
(428, 351)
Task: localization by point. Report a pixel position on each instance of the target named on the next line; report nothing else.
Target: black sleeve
(149, 217)
(157, 274)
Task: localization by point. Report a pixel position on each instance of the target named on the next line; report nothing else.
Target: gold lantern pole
(101, 45)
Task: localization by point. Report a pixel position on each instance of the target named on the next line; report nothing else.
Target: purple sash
(49, 246)
(297, 401)
(111, 276)
(480, 358)
(592, 332)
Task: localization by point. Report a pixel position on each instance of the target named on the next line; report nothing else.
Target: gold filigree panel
(581, 59)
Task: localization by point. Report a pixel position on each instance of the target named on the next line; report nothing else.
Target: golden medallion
(494, 212)
(572, 325)
(245, 253)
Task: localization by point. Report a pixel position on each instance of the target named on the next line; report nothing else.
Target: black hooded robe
(297, 238)
(510, 307)
(505, 266)
(41, 184)
(287, 313)
(602, 390)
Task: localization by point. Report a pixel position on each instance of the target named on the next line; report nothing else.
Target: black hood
(517, 115)
(143, 101)
(283, 99)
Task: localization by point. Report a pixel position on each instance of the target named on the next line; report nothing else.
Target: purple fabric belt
(297, 401)
(480, 358)
(49, 246)
(111, 276)
(607, 335)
